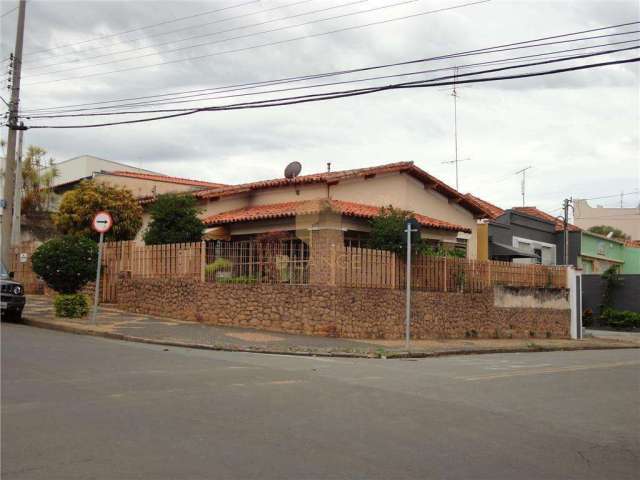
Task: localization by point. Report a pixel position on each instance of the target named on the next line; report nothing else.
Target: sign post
(412, 226)
(102, 223)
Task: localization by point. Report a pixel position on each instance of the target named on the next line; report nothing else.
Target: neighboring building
(598, 253)
(522, 235)
(146, 184)
(632, 256)
(341, 202)
(72, 171)
(625, 219)
(141, 183)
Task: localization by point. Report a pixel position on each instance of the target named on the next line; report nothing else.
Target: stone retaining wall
(340, 312)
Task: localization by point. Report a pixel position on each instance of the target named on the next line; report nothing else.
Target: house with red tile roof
(143, 185)
(525, 235)
(343, 202)
(141, 182)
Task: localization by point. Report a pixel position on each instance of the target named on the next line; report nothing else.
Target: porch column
(327, 249)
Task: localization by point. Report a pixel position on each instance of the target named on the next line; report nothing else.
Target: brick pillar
(327, 247)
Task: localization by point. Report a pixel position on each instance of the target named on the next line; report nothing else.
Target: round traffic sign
(102, 222)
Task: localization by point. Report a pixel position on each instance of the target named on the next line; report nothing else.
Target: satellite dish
(293, 170)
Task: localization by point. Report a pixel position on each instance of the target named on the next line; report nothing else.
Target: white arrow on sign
(102, 222)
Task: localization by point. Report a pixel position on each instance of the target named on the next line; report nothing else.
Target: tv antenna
(456, 160)
(522, 184)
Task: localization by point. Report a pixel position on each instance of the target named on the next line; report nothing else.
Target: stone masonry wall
(338, 311)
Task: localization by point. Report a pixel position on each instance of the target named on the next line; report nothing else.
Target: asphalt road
(76, 407)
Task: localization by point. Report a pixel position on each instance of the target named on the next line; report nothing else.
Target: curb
(226, 348)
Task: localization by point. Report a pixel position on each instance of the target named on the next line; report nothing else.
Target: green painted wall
(631, 260)
(598, 253)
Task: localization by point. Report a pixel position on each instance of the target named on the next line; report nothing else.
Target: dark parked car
(12, 298)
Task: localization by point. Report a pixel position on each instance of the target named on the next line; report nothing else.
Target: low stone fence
(352, 312)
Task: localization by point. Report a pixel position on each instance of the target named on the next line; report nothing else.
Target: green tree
(66, 263)
(388, 230)
(38, 175)
(174, 219)
(606, 230)
(78, 206)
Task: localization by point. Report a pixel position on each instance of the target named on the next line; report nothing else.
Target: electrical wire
(188, 47)
(199, 97)
(344, 94)
(241, 27)
(8, 12)
(617, 195)
(68, 113)
(111, 35)
(281, 42)
(495, 48)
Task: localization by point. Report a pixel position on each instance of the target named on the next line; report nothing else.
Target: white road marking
(546, 371)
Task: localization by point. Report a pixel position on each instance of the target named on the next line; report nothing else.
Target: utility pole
(565, 205)
(10, 161)
(522, 184)
(17, 197)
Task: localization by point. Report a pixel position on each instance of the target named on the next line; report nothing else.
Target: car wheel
(12, 316)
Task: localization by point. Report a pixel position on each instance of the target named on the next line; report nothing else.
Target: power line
(8, 12)
(636, 192)
(566, 58)
(335, 95)
(493, 49)
(281, 42)
(188, 47)
(111, 35)
(241, 27)
(191, 27)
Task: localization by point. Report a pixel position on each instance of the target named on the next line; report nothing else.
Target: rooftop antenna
(292, 170)
(454, 94)
(522, 184)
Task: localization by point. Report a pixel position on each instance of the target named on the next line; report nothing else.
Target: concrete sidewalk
(113, 323)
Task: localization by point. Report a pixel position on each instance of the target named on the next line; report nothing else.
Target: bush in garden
(174, 219)
(78, 207)
(621, 318)
(66, 263)
(219, 265)
(72, 305)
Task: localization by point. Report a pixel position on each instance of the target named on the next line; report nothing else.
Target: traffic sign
(102, 222)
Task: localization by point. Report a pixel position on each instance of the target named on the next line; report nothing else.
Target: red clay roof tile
(492, 211)
(534, 212)
(166, 179)
(290, 209)
(329, 177)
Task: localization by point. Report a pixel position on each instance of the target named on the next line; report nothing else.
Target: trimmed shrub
(621, 318)
(66, 263)
(219, 265)
(72, 305)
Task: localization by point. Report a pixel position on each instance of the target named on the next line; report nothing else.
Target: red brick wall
(337, 311)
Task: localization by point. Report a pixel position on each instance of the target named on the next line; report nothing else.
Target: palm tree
(37, 180)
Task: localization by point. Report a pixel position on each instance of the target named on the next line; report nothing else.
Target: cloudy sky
(579, 131)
